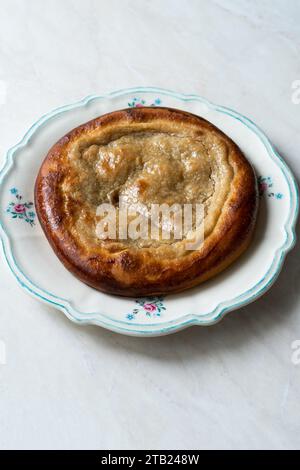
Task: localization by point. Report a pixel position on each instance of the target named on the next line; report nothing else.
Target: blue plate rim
(187, 319)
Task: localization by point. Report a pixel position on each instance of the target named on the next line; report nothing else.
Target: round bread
(146, 156)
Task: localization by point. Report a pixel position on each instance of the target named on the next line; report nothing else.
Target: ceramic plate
(39, 272)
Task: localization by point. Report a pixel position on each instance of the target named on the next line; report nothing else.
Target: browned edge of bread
(232, 237)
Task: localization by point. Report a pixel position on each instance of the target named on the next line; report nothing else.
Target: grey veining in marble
(232, 385)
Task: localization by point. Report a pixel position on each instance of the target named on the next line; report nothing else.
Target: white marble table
(232, 385)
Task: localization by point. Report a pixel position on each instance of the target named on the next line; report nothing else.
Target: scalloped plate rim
(186, 320)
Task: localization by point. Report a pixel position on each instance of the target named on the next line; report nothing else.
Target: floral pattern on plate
(150, 306)
(19, 209)
(140, 102)
(265, 185)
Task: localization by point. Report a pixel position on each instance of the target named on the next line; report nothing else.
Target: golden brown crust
(132, 271)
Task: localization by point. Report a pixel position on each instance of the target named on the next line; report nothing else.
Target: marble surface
(233, 385)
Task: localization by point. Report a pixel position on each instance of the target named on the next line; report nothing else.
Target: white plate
(39, 272)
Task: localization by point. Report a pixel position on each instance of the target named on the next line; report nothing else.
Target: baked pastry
(145, 156)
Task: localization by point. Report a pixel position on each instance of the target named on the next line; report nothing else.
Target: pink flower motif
(19, 208)
(263, 187)
(149, 307)
(138, 105)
